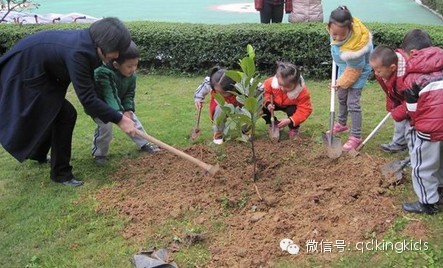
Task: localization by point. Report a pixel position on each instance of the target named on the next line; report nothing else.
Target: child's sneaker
(293, 132)
(218, 138)
(150, 148)
(352, 143)
(393, 147)
(100, 160)
(338, 128)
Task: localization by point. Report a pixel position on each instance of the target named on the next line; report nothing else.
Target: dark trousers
(271, 13)
(289, 110)
(58, 138)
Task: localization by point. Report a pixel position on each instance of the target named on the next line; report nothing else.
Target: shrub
(195, 48)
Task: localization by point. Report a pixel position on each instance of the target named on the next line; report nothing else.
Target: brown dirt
(305, 196)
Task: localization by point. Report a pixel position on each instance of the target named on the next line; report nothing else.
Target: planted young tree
(241, 121)
(15, 5)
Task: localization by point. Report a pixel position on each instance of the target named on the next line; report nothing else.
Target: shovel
(393, 170)
(196, 130)
(334, 147)
(274, 131)
(209, 168)
(355, 152)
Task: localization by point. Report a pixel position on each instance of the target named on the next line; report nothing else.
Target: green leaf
(234, 75)
(248, 66)
(219, 98)
(251, 104)
(240, 88)
(241, 99)
(250, 50)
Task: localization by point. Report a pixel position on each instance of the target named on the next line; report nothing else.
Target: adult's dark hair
(288, 72)
(416, 39)
(131, 53)
(110, 34)
(217, 76)
(341, 16)
(385, 54)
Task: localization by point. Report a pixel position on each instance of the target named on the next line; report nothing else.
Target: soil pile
(300, 194)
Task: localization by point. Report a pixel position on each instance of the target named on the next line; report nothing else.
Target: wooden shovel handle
(199, 112)
(209, 168)
(272, 112)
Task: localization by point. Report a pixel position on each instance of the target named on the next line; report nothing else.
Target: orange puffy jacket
(302, 100)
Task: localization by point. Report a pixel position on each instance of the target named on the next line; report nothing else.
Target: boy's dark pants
(58, 138)
(289, 110)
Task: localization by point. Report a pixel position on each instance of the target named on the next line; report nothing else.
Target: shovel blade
(333, 145)
(392, 168)
(274, 133)
(195, 133)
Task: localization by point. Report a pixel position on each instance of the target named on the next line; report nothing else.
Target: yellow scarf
(360, 37)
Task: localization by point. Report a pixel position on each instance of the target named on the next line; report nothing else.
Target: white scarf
(293, 94)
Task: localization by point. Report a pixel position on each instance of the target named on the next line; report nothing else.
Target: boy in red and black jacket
(424, 109)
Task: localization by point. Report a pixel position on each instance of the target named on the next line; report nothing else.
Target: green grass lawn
(44, 224)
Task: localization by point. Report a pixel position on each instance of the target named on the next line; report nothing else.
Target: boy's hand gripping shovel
(196, 130)
(355, 152)
(274, 131)
(334, 146)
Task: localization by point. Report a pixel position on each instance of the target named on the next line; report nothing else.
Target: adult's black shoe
(418, 207)
(73, 182)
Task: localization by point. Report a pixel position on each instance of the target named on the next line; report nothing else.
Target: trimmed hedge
(195, 48)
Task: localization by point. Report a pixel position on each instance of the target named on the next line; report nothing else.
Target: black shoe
(100, 160)
(73, 182)
(418, 207)
(150, 148)
(440, 195)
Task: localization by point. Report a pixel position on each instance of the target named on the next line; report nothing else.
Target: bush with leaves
(242, 120)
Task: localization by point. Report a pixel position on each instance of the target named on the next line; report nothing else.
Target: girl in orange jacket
(286, 91)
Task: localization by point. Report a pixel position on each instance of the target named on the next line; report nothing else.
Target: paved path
(211, 11)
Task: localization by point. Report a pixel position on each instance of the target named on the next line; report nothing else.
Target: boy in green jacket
(116, 86)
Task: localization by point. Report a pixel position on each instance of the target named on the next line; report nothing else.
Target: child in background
(116, 86)
(351, 45)
(216, 82)
(290, 94)
(424, 103)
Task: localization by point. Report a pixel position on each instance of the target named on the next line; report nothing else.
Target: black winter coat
(34, 77)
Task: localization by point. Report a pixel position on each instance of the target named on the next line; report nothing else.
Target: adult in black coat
(34, 78)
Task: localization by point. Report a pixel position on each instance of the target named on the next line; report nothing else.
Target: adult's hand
(127, 125)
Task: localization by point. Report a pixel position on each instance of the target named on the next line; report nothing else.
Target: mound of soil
(300, 194)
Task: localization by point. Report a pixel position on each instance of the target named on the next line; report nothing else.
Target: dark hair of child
(385, 54)
(416, 39)
(131, 53)
(342, 17)
(288, 72)
(110, 34)
(217, 77)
